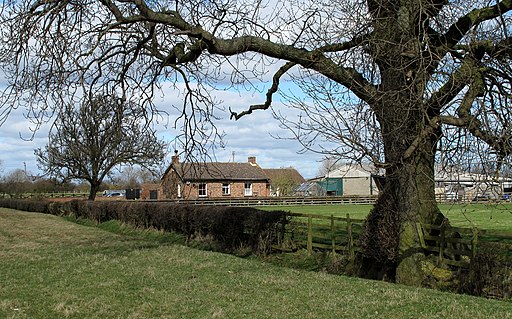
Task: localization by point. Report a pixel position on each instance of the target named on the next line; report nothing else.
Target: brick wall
(169, 186)
(147, 189)
(237, 190)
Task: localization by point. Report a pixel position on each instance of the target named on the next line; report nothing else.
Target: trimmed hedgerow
(230, 227)
(28, 205)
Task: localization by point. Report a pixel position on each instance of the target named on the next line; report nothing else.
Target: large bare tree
(88, 141)
(384, 80)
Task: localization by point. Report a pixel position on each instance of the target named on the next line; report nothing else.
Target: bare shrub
(489, 274)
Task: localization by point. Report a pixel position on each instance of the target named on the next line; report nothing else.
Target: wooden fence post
(310, 234)
(441, 241)
(333, 235)
(350, 243)
(474, 241)
(419, 227)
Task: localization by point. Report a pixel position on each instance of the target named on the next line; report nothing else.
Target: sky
(250, 136)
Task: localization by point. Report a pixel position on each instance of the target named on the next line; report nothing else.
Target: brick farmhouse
(213, 180)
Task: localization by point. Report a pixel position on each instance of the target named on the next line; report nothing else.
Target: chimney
(252, 160)
(175, 160)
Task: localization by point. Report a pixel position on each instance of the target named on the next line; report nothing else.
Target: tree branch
(273, 89)
(314, 59)
(461, 27)
(429, 130)
(457, 81)
(501, 144)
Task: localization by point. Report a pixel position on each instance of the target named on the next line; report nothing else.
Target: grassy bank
(52, 268)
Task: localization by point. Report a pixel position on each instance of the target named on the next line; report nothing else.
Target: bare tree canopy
(89, 141)
(134, 177)
(389, 81)
(15, 183)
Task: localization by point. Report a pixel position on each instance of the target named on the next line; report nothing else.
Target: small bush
(489, 275)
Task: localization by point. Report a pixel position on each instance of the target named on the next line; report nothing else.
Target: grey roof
(306, 186)
(219, 172)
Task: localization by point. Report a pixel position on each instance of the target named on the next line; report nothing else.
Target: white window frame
(199, 188)
(247, 190)
(226, 189)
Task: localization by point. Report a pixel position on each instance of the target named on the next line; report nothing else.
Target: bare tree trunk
(94, 189)
(391, 236)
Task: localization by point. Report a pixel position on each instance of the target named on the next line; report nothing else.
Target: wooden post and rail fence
(457, 245)
(452, 245)
(320, 232)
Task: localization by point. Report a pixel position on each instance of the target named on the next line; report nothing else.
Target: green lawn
(484, 216)
(52, 268)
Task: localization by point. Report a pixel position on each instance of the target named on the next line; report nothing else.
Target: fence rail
(304, 201)
(262, 201)
(456, 245)
(453, 245)
(281, 201)
(321, 232)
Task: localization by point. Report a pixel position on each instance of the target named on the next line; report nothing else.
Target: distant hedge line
(230, 227)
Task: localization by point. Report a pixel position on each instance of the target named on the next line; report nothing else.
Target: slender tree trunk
(95, 186)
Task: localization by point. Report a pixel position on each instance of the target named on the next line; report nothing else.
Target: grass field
(484, 216)
(52, 268)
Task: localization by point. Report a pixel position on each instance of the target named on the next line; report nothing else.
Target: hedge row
(229, 227)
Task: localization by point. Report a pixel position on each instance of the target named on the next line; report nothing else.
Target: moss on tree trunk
(390, 240)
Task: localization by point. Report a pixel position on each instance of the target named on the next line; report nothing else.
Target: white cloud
(17, 152)
(252, 135)
(249, 136)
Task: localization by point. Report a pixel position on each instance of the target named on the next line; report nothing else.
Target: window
(226, 189)
(202, 190)
(247, 189)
